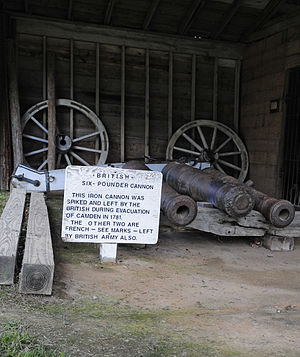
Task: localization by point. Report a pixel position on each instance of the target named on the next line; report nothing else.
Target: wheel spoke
(79, 158)
(222, 145)
(67, 159)
(230, 153)
(86, 136)
(87, 149)
(42, 165)
(200, 132)
(58, 160)
(186, 150)
(219, 168)
(193, 142)
(39, 125)
(212, 144)
(35, 138)
(35, 152)
(229, 165)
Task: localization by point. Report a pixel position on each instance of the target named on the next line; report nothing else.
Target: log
(51, 110)
(10, 228)
(38, 263)
(15, 118)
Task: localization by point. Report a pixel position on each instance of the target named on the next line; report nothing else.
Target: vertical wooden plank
(193, 89)
(15, 119)
(71, 87)
(147, 102)
(170, 97)
(5, 146)
(215, 90)
(10, 230)
(38, 262)
(122, 134)
(97, 94)
(51, 110)
(237, 79)
(44, 70)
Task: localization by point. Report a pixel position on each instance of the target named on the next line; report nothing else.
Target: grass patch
(3, 199)
(15, 341)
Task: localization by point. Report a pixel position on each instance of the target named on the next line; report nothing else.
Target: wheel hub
(63, 143)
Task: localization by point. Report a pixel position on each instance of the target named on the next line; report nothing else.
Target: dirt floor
(192, 294)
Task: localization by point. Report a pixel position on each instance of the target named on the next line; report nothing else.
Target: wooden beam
(123, 89)
(10, 230)
(129, 38)
(215, 90)
(170, 97)
(226, 18)
(70, 8)
(71, 87)
(38, 263)
(282, 24)
(190, 15)
(97, 96)
(268, 11)
(147, 103)
(193, 88)
(237, 79)
(153, 7)
(51, 110)
(15, 118)
(5, 146)
(109, 11)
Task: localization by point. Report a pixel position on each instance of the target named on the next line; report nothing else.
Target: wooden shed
(127, 74)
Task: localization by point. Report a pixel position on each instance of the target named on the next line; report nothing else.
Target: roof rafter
(268, 11)
(109, 10)
(226, 18)
(153, 7)
(190, 15)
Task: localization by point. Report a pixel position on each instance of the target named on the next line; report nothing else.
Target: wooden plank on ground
(214, 221)
(38, 263)
(10, 228)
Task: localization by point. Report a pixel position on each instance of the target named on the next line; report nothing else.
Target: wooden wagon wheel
(85, 146)
(213, 142)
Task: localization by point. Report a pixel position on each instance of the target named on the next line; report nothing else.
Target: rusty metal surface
(234, 199)
(280, 213)
(179, 209)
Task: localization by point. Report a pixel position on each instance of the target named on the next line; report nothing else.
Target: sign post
(111, 206)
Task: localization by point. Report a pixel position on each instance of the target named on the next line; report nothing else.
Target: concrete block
(108, 253)
(276, 243)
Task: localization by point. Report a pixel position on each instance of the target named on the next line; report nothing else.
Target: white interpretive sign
(111, 205)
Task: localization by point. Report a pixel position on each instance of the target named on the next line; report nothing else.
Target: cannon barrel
(280, 213)
(235, 200)
(179, 209)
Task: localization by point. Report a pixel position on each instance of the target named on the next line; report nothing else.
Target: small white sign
(109, 205)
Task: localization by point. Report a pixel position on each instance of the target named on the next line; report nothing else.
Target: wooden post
(5, 154)
(38, 262)
(10, 229)
(147, 100)
(123, 89)
(51, 110)
(237, 77)
(215, 90)
(15, 119)
(193, 88)
(170, 97)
